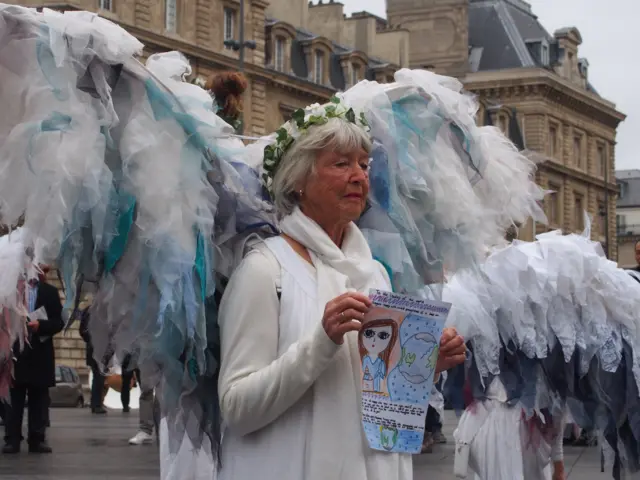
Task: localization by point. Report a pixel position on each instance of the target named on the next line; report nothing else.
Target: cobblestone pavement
(95, 447)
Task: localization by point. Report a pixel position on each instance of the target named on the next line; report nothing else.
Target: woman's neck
(335, 230)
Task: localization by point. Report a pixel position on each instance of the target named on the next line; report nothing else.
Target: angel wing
(557, 323)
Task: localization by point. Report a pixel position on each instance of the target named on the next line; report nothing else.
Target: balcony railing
(627, 230)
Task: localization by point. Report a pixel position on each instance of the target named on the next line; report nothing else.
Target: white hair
(300, 160)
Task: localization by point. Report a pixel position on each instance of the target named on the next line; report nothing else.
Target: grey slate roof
(507, 34)
(336, 73)
(629, 183)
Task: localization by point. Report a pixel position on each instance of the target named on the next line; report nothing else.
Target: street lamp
(239, 46)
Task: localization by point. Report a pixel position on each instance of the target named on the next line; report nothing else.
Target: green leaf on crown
(351, 115)
(298, 117)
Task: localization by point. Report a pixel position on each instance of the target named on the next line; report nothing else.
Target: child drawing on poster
(398, 352)
(376, 342)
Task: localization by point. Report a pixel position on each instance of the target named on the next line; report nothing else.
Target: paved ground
(90, 447)
(87, 447)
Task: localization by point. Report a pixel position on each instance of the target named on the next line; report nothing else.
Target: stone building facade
(529, 81)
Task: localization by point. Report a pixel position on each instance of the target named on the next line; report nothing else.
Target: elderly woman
(289, 378)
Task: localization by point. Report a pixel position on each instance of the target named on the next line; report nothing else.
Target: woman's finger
(350, 314)
(452, 345)
(347, 297)
(448, 334)
(344, 305)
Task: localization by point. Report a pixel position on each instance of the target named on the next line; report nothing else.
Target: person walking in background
(98, 378)
(34, 370)
(147, 398)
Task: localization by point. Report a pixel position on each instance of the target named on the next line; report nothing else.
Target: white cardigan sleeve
(256, 386)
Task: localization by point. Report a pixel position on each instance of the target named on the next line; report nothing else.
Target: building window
(319, 67)
(105, 4)
(553, 141)
(621, 224)
(623, 190)
(579, 212)
(229, 24)
(279, 53)
(553, 201)
(602, 160)
(503, 123)
(171, 12)
(577, 151)
(355, 73)
(544, 55)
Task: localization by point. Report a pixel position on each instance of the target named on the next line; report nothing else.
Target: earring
(300, 192)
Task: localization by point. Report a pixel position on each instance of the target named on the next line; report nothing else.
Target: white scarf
(336, 409)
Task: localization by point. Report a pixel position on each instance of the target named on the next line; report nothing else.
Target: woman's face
(376, 339)
(337, 192)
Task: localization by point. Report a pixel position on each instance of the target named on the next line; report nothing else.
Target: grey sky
(608, 32)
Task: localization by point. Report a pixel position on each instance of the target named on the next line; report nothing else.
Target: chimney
(439, 33)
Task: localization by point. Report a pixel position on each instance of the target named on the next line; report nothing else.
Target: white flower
(315, 110)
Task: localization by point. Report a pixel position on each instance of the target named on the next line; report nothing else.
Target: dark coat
(86, 336)
(35, 366)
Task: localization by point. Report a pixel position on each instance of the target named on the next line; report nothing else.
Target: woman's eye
(383, 335)
(369, 333)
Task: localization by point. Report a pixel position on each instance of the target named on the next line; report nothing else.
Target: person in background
(98, 378)
(635, 271)
(147, 423)
(227, 89)
(34, 370)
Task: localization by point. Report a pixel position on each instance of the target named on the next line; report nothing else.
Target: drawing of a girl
(376, 341)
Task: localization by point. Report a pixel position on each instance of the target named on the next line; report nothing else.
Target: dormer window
(278, 47)
(544, 54)
(355, 73)
(583, 66)
(279, 54)
(318, 71)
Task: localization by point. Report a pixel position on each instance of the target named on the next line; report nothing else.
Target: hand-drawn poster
(398, 342)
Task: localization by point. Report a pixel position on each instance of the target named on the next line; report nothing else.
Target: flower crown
(301, 121)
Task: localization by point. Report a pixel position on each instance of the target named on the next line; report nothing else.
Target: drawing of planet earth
(409, 380)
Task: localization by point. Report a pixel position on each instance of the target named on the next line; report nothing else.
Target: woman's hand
(558, 471)
(344, 314)
(452, 350)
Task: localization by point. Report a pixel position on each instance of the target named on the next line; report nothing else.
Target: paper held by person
(399, 344)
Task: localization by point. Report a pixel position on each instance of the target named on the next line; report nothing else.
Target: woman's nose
(359, 175)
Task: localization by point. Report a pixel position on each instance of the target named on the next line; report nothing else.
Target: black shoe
(39, 447)
(11, 448)
(98, 411)
(126, 409)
